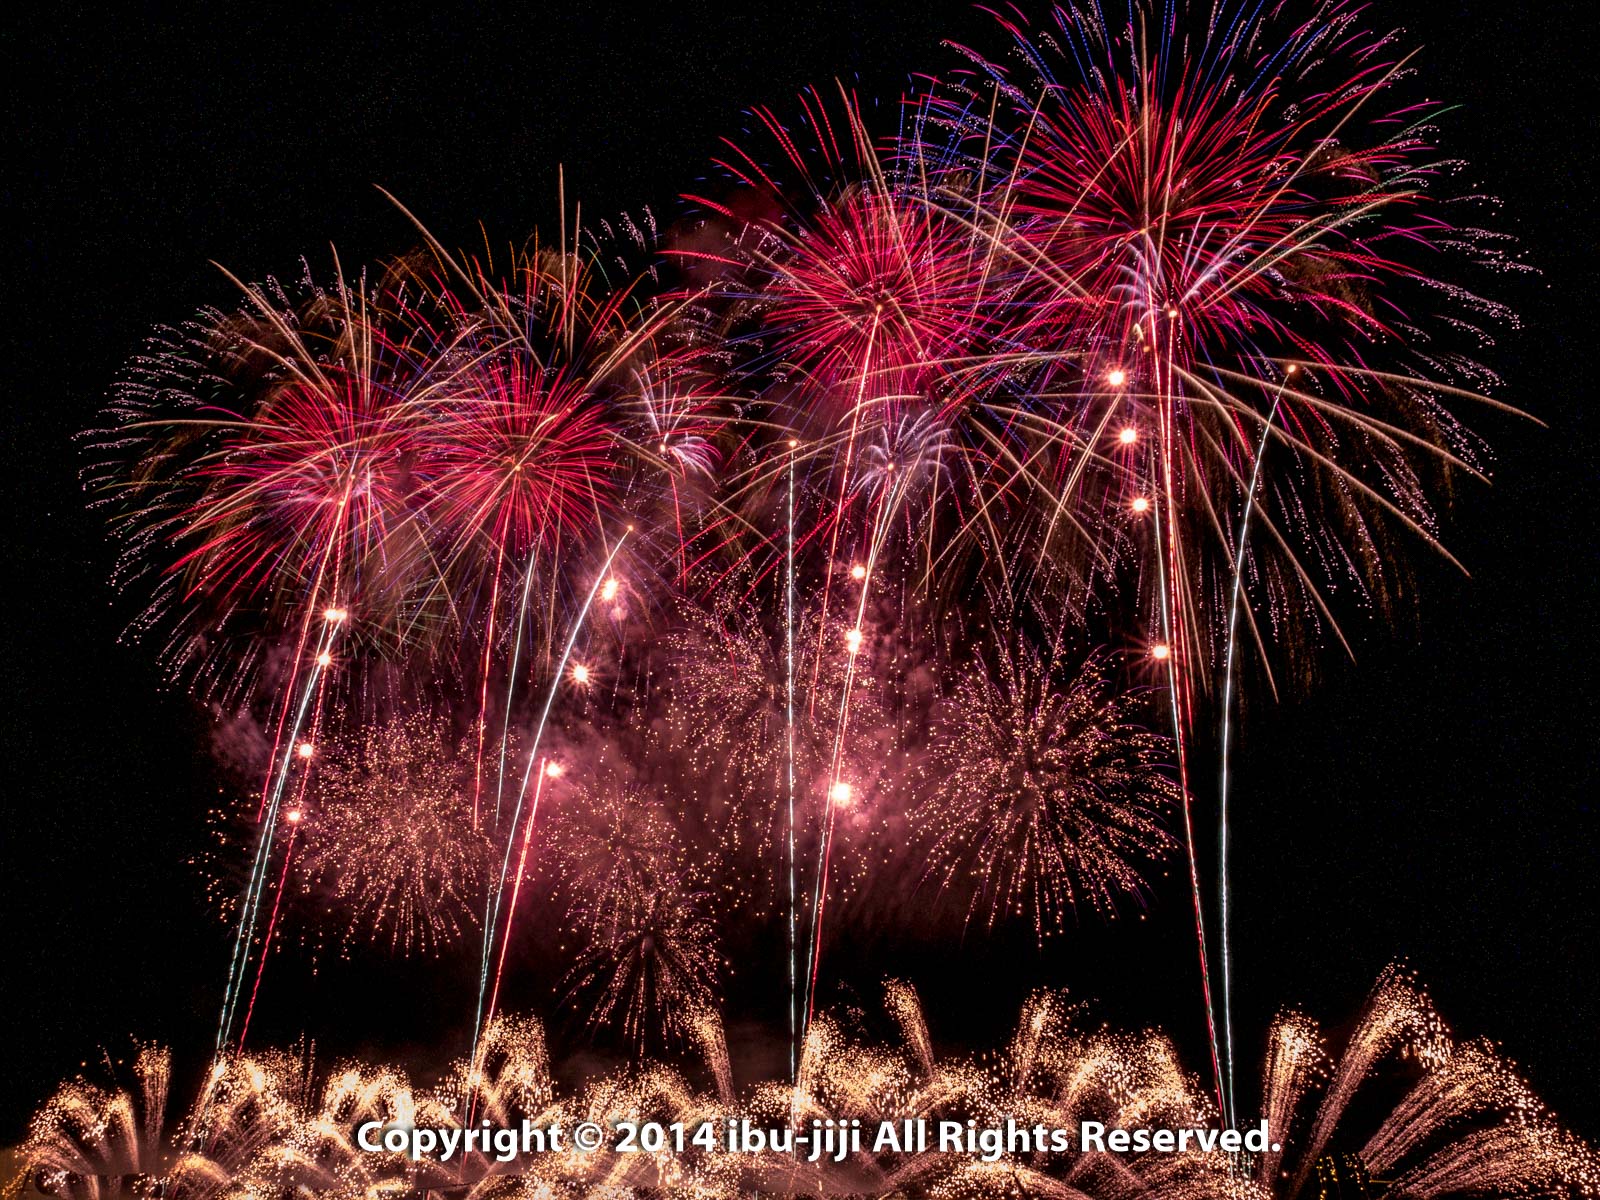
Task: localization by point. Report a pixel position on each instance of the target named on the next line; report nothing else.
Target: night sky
(1433, 801)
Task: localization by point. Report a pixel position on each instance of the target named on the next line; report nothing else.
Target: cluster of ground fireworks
(1397, 1108)
(892, 520)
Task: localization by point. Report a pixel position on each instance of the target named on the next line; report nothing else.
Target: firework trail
(295, 749)
(293, 817)
(1240, 543)
(492, 910)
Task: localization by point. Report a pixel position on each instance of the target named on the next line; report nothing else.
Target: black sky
(1434, 801)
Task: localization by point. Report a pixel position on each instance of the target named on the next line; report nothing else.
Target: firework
(614, 844)
(871, 320)
(90, 1143)
(860, 289)
(1440, 1118)
(728, 719)
(653, 956)
(1138, 340)
(257, 469)
(1045, 797)
(389, 837)
(1209, 207)
(518, 464)
(1235, 223)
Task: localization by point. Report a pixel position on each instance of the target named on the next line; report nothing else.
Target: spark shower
(910, 516)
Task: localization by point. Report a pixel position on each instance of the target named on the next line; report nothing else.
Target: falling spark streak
(1227, 730)
(546, 770)
(253, 892)
(492, 915)
(788, 651)
(837, 793)
(293, 817)
(1172, 660)
(511, 685)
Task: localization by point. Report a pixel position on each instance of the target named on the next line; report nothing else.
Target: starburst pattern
(1045, 796)
(390, 840)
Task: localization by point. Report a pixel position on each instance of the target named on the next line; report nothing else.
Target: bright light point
(794, 443)
(852, 640)
(1172, 314)
(840, 792)
(1293, 368)
(1160, 651)
(553, 770)
(335, 615)
(580, 674)
(1128, 435)
(324, 659)
(858, 572)
(1141, 505)
(1117, 377)
(608, 589)
(292, 816)
(305, 749)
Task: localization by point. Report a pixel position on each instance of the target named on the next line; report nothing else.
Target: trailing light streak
(292, 818)
(492, 915)
(1162, 651)
(788, 688)
(1227, 732)
(547, 770)
(269, 823)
